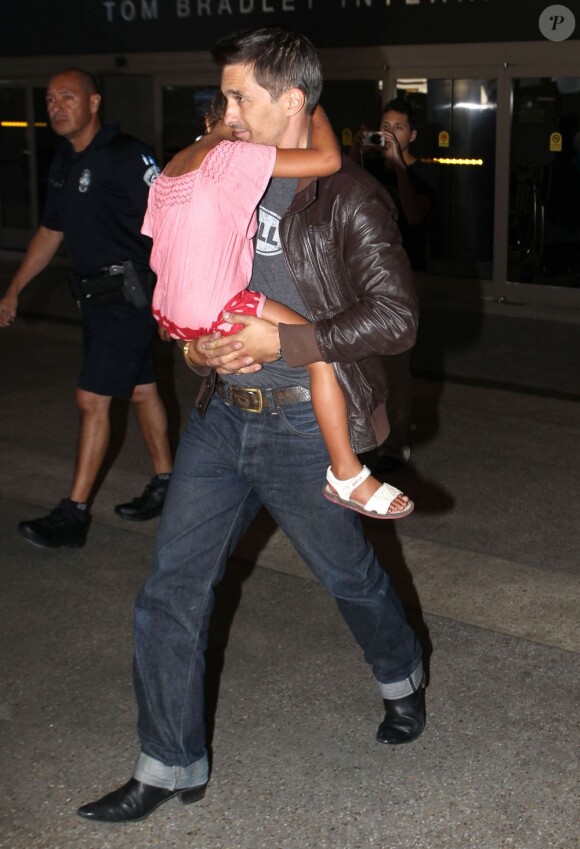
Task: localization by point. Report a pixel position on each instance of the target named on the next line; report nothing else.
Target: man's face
(250, 111)
(397, 123)
(71, 109)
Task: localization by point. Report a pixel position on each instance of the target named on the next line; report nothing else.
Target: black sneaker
(66, 526)
(147, 505)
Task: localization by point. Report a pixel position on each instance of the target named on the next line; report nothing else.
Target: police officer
(96, 200)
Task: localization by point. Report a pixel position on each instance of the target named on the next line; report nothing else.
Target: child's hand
(260, 338)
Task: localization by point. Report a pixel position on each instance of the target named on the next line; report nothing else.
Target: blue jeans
(228, 465)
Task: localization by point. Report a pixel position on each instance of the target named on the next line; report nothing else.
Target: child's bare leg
(331, 414)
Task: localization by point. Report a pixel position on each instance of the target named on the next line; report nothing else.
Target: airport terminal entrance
(501, 136)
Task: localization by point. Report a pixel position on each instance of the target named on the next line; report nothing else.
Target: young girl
(202, 218)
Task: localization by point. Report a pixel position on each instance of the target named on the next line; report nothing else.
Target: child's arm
(320, 160)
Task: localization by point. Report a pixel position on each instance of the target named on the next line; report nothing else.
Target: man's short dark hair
(87, 81)
(400, 104)
(280, 59)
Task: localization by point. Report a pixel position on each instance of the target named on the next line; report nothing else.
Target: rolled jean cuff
(150, 771)
(403, 688)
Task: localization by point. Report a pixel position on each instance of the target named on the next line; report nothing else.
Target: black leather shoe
(404, 718)
(134, 801)
(147, 505)
(65, 527)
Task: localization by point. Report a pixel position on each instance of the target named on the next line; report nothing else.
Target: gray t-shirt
(271, 276)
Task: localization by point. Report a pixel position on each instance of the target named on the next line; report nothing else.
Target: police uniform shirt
(97, 198)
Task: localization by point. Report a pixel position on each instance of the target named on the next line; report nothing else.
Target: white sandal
(377, 507)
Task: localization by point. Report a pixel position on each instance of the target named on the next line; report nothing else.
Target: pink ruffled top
(202, 225)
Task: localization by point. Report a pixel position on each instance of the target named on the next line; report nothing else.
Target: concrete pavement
(488, 565)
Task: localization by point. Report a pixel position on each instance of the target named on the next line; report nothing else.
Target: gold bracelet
(185, 350)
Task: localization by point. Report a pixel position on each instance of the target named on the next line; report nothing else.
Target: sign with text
(50, 27)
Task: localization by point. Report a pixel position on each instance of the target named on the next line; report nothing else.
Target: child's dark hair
(215, 112)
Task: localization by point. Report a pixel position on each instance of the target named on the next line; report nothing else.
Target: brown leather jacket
(344, 252)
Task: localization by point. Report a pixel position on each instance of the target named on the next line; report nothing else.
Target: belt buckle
(258, 392)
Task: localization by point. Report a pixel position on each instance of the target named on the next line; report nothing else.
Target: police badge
(85, 180)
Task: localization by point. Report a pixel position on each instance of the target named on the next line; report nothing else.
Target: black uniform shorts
(117, 349)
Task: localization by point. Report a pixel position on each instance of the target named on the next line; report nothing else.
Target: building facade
(496, 84)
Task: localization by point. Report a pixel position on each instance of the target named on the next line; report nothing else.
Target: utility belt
(115, 283)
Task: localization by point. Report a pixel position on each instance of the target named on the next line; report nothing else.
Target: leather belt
(255, 400)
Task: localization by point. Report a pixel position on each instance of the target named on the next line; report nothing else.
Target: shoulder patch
(152, 171)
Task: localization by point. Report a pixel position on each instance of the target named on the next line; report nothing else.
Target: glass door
(456, 129)
(544, 200)
(26, 147)
(16, 213)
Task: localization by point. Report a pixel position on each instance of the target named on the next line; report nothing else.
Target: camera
(375, 138)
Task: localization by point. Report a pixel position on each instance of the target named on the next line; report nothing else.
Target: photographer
(386, 155)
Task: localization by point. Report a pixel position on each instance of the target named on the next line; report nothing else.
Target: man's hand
(244, 351)
(225, 355)
(163, 334)
(392, 152)
(8, 305)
